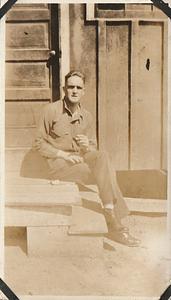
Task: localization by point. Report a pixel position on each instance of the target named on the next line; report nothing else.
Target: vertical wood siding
(134, 127)
(146, 108)
(125, 63)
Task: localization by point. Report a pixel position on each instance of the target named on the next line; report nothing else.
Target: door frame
(59, 62)
(64, 42)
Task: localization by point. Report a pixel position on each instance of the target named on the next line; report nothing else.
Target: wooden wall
(124, 57)
(28, 80)
(134, 105)
(125, 63)
(83, 53)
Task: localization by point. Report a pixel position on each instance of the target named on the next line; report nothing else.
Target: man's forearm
(45, 149)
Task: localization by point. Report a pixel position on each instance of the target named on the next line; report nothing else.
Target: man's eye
(71, 87)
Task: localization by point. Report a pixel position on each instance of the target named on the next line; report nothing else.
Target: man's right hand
(74, 159)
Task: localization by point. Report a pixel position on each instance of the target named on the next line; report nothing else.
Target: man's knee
(102, 154)
(96, 156)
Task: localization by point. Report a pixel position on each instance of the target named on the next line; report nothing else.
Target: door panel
(28, 70)
(29, 40)
(146, 105)
(27, 75)
(117, 48)
(37, 6)
(27, 35)
(28, 14)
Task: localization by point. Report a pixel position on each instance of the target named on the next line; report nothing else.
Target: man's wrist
(86, 149)
(62, 154)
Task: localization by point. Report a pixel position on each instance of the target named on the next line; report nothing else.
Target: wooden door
(132, 93)
(148, 101)
(31, 32)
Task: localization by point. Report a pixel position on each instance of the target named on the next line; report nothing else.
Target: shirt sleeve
(42, 142)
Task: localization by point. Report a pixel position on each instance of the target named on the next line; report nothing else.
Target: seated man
(65, 139)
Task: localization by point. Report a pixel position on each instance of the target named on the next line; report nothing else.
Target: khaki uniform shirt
(58, 128)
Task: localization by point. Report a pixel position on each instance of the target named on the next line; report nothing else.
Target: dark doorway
(55, 52)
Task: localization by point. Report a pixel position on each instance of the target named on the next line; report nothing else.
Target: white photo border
(2, 149)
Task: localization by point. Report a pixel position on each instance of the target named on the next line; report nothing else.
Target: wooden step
(14, 178)
(38, 194)
(89, 195)
(150, 184)
(37, 216)
(135, 205)
(55, 241)
(149, 206)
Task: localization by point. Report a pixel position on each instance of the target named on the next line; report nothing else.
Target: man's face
(74, 89)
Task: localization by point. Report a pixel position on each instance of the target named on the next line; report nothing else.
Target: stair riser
(40, 216)
(13, 159)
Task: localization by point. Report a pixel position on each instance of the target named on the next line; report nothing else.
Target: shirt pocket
(59, 129)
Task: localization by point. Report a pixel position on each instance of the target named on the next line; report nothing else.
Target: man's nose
(75, 89)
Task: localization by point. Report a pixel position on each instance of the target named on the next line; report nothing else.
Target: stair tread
(147, 205)
(41, 192)
(89, 197)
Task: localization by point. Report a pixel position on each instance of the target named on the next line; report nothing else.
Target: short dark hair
(74, 73)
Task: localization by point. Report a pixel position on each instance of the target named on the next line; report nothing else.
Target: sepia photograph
(86, 203)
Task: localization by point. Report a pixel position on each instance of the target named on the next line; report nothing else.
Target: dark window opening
(110, 6)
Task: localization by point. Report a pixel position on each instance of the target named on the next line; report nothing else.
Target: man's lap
(66, 171)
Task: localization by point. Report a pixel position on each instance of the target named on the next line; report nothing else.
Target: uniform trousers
(95, 169)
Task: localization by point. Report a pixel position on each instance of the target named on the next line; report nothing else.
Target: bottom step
(146, 206)
(55, 241)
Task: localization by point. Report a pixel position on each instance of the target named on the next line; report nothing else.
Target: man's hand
(75, 159)
(83, 142)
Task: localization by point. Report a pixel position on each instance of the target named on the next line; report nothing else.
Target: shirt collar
(78, 113)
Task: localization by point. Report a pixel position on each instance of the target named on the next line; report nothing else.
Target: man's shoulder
(87, 113)
(53, 107)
